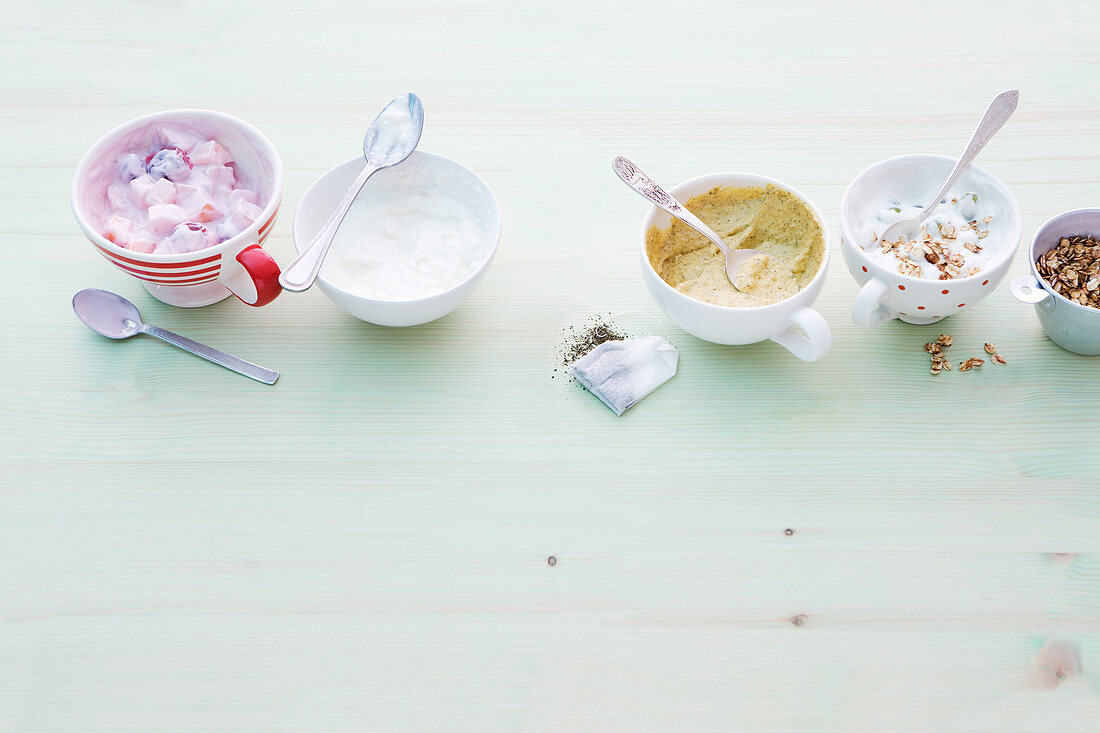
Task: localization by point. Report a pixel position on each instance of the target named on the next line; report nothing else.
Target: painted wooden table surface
(762, 544)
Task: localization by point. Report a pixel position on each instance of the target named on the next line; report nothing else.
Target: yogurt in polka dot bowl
(941, 268)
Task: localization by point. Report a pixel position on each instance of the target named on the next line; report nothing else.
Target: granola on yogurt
(948, 245)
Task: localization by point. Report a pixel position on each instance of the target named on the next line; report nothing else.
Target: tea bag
(622, 372)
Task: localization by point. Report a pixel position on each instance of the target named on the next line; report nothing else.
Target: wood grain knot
(798, 619)
(551, 561)
(788, 531)
(1056, 661)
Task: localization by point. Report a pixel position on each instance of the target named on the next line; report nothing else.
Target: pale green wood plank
(364, 546)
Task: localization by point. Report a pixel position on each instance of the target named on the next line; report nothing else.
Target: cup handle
(868, 310)
(256, 281)
(1026, 289)
(817, 341)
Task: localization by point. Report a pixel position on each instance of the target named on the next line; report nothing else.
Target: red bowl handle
(264, 272)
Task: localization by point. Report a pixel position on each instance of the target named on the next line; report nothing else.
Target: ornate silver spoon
(633, 176)
(996, 115)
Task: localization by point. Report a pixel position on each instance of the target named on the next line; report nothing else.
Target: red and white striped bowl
(238, 266)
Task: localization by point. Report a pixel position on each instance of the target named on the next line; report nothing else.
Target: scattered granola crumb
(941, 363)
(935, 351)
(971, 363)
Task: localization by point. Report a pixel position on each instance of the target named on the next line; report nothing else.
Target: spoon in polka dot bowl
(996, 115)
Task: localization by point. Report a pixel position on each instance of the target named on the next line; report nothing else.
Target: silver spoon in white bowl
(633, 176)
(390, 139)
(996, 115)
(115, 317)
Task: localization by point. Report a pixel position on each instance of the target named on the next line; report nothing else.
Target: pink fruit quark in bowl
(205, 258)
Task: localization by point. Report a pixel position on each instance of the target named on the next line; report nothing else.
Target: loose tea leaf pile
(1073, 270)
(581, 339)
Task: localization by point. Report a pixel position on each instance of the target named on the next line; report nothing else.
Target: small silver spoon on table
(996, 115)
(633, 176)
(115, 317)
(391, 138)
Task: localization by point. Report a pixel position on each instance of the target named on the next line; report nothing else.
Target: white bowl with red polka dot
(887, 294)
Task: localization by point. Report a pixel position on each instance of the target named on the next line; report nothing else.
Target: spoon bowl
(395, 132)
(107, 314)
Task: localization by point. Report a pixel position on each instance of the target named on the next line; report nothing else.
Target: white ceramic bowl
(886, 293)
(736, 326)
(320, 200)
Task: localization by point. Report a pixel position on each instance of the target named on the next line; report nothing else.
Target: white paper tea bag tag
(621, 373)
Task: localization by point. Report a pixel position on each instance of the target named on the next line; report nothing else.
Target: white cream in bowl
(412, 232)
(963, 237)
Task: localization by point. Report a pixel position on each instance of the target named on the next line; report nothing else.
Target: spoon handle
(996, 115)
(303, 269)
(633, 176)
(240, 366)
